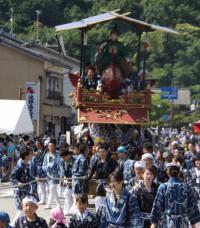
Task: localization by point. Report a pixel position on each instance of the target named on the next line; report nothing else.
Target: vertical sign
(32, 98)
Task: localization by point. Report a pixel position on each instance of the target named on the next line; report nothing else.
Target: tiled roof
(37, 51)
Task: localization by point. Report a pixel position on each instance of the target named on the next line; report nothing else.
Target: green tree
(170, 57)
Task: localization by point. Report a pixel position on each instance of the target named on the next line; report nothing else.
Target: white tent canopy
(14, 117)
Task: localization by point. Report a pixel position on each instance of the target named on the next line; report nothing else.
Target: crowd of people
(142, 180)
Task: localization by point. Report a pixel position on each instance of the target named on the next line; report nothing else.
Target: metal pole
(172, 101)
(144, 70)
(172, 105)
(38, 12)
(84, 49)
(145, 55)
(81, 63)
(144, 65)
(139, 50)
(37, 37)
(11, 20)
(38, 105)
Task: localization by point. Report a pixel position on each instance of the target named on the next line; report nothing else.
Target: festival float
(107, 105)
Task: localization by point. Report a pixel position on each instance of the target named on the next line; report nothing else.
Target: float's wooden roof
(90, 22)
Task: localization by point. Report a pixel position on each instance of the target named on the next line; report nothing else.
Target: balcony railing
(53, 95)
(137, 99)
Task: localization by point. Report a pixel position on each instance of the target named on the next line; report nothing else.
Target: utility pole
(172, 105)
(38, 104)
(38, 12)
(172, 85)
(11, 20)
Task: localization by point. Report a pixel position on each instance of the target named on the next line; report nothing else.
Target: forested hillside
(170, 56)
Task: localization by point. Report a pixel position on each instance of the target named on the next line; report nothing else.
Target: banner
(31, 89)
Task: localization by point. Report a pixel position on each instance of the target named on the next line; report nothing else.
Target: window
(53, 86)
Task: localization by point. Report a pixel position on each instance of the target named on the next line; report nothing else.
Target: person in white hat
(148, 160)
(30, 219)
(138, 170)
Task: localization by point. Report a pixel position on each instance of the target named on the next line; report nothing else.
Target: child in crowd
(57, 219)
(4, 220)
(30, 219)
(82, 217)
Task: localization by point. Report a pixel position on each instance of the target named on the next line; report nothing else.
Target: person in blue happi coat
(145, 192)
(83, 218)
(30, 219)
(86, 138)
(79, 173)
(40, 174)
(67, 163)
(121, 208)
(195, 176)
(37, 173)
(54, 171)
(126, 164)
(79, 170)
(175, 204)
(138, 171)
(4, 220)
(20, 178)
(91, 81)
(40, 151)
(3, 164)
(21, 175)
(101, 171)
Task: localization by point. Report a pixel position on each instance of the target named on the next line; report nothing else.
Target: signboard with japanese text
(169, 93)
(31, 89)
(184, 97)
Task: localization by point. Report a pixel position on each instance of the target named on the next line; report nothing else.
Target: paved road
(7, 204)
